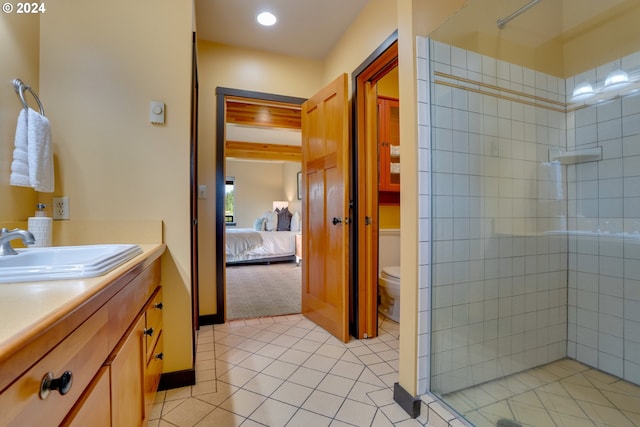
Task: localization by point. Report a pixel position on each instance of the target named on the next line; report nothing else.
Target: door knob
(336, 221)
(49, 383)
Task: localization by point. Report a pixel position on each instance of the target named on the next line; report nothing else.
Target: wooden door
(325, 171)
(368, 196)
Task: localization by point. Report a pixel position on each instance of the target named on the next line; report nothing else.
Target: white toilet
(389, 292)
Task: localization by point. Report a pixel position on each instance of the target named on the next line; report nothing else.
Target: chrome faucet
(6, 236)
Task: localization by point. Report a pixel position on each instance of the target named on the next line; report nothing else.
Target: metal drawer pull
(158, 306)
(159, 356)
(62, 384)
(148, 332)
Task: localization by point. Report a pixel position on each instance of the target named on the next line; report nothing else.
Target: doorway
(378, 198)
(249, 161)
(363, 257)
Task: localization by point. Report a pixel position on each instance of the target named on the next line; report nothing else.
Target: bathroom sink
(64, 262)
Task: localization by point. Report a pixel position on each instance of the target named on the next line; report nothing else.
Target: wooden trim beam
(261, 151)
(270, 116)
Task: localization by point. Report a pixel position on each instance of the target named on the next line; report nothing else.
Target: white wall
(258, 184)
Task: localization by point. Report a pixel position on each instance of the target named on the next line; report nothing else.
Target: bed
(247, 246)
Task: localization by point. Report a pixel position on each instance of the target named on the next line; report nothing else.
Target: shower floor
(562, 393)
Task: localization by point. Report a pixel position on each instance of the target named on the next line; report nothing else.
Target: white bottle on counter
(41, 226)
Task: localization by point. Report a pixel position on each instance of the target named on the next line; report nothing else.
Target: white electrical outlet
(61, 207)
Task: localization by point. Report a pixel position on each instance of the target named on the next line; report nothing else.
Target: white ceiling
(305, 28)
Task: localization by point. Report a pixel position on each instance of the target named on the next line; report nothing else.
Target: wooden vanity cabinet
(82, 353)
(116, 363)
(133, 381)
(154, 352)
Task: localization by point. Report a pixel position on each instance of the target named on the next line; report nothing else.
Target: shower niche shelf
(577, 156)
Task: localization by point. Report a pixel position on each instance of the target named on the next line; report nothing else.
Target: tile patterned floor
(286, 371)
(562, 393)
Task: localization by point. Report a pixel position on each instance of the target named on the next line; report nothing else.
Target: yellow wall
(374, 25)
(610, 35)
(19, 50)
(389, 216)
(101, 63)
(614, 35)
(388, 85)
(415, 17)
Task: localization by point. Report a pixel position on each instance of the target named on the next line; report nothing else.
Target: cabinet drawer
(82, 353)
(153, 316)
(125, 306)
(152, 377)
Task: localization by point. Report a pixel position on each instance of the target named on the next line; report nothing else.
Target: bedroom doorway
(261, 157)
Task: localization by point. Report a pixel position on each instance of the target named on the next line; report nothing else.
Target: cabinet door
(93, 408)
(127, 379)
(389, 144)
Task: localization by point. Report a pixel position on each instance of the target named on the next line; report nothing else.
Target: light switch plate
(156, 112)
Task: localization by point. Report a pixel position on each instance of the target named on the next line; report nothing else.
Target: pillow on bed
(295, 222)
(259, 224)
(271, 221)
(284, 219)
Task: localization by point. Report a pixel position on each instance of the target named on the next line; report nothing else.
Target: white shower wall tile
(604, 194)
(475, 276)
(530, 321)
(443, 53)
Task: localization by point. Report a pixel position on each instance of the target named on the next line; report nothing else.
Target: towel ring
(20, 87)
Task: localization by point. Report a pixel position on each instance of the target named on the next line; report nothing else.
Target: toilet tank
(388, 247)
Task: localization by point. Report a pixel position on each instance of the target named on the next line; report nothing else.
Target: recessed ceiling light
(267, 19)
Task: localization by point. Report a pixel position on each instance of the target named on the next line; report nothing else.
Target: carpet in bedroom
(263, 290)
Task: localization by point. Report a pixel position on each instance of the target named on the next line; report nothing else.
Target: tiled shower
(529, 221)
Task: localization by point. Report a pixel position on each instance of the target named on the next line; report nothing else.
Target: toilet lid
(391, 272)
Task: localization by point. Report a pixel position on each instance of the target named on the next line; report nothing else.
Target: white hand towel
(20, 164)
(40, 152)
(395, 168)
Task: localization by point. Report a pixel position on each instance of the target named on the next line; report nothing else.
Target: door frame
(364, 255)
(193, 202)
(221, 95)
